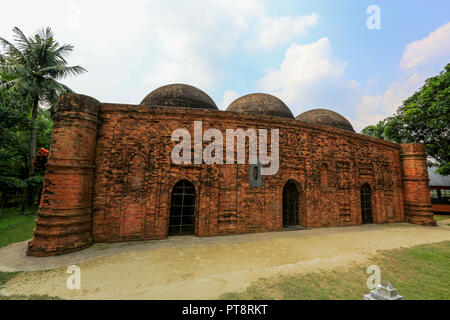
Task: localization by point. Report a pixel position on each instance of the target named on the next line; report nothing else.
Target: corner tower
(416, 192)
(64, 221)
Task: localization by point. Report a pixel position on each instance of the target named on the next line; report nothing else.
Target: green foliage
(376, 131)
(15, 227)
(441, 217)
(424, 117)
(12, 183)
(13, 122)
(34, 64)
(14, 133)
(29, 89)
(15, 136)
(35, 181)
(5, 276)
(32, 68)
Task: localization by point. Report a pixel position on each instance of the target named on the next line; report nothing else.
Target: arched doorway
(182, 209)
(366, 203)
(290, 204)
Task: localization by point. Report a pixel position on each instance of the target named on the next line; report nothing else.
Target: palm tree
(32, 68)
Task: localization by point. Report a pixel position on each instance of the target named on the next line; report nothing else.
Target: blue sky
(311, 54)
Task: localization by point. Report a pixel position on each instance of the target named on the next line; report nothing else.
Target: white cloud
(367, 112)
(370, 103)
(434, 48)
(107, 37)
(190, 40)
(310, 76)
(372, 109)
(421, 60)
(399, 91)
(132, 47)
(280, 30)
(228, 97)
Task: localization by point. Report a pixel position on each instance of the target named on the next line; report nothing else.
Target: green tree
(425, 117)
(13, 122)
(32, 68)
(14, 140)
(376, 131)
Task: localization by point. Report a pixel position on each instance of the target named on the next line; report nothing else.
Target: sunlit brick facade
(110, 177)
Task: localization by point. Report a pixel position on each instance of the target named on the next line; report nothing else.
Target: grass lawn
(15, 227)
(421, 272)
(439, 217)
(5, 276)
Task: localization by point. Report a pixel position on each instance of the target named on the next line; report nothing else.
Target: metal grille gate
(366, 203)
(290, 205)
(182, 209)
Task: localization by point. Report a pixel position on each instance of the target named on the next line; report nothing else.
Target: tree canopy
(32, 68)
(13, 120)
(424, 117)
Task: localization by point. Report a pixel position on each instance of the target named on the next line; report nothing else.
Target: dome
(179, 96)
(326, 118)
(261, 104)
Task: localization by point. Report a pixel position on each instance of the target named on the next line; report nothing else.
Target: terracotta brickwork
(65, 212)
(418, 207)
(110, 177)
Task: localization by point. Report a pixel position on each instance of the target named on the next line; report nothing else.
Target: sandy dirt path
(207, 270)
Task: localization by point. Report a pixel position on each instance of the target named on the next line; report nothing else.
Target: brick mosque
(110, 176)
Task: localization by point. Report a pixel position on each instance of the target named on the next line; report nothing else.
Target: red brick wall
(128, 193)
(329, 166)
